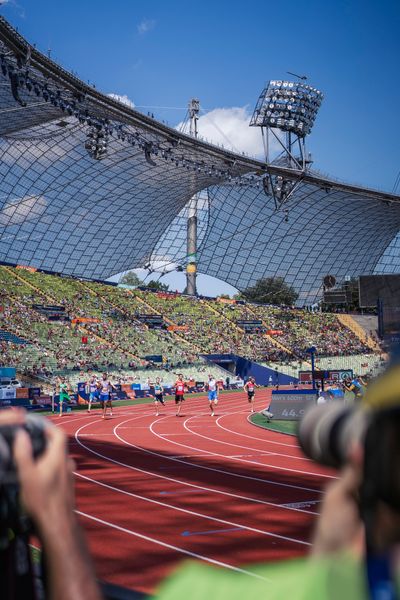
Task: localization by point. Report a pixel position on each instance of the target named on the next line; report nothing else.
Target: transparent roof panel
(90, 187)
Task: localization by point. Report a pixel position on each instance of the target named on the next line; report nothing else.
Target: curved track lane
(153, 491)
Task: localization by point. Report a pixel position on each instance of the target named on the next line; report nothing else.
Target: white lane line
(170, 546)
(181, 433)
(96, 434)
(179, 481)
(214, 469)
(198, 455)
(238, 403)
(218, 441)
(95, 418)
(136, 427)
(192, 512)
(250, 455)
(265, 440)
(251, 462)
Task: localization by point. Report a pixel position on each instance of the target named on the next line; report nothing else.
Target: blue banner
(8, 372)
(82, 390)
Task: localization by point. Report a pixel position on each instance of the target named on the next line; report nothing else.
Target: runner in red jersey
(179, 391)
(250, 387)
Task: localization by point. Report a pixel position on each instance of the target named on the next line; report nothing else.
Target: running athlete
(158, 394)
(179, 391)
(63, 391)
(105, 394)
(212, 393)
(249, 387)
(92, 387)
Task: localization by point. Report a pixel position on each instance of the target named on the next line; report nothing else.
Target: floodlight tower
(291, 108)
(191, 267)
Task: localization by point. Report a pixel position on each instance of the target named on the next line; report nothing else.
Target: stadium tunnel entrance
(245, 368)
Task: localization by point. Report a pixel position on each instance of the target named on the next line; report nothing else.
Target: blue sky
(161, 53)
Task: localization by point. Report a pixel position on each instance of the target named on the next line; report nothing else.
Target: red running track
(153, 491)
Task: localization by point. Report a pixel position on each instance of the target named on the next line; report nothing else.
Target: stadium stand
(58, 325)
(349, 322)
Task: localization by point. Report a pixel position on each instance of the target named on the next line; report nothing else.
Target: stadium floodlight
(96, 142)
(289, 106)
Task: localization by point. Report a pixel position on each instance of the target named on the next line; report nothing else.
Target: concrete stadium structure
(90, 187)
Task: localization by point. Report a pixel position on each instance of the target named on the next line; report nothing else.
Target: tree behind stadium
(270, 290)
(132, 279)
(157, 285)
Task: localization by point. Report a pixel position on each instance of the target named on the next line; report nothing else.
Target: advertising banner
(333, 375)
(341, 375)
(127, 389)
(166, 295)
(156, 358)
(83, 397)
(42, 400)
(288, 405)
(7, 393)
(31, 269)
(5, 402)
(85, 320)
(8, 372)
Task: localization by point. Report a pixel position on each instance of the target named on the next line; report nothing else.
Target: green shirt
(338, 577)
(63, 390)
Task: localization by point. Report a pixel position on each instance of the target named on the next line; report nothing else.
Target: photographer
(361, 510)
(46, 493)
(356, 547)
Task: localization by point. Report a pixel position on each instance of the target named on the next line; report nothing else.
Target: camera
(327, 433)
(18, 576)
(35, 427)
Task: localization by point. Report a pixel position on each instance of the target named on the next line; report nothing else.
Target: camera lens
(327, 431)
(35, 426)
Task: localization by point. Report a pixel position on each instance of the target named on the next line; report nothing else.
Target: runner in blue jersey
(212, 393)
(105, 394)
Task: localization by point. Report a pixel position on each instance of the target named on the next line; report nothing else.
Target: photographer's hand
(48, 496)
(339, 527)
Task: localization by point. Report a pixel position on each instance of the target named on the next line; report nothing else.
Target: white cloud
(15, 6)
(123, 99)
(230, 127)
(145, 26)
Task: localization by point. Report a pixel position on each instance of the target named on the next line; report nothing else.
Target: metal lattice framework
(90, 187)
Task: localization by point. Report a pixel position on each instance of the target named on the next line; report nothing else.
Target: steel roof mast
(191, 266)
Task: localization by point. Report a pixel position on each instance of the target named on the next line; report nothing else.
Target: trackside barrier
(290, 405)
